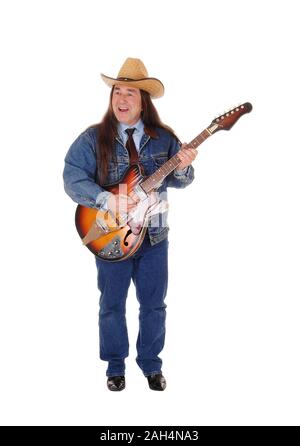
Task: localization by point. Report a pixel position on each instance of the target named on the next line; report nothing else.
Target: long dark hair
(107, 132)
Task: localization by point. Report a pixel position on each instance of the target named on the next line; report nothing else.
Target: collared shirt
(137, 135)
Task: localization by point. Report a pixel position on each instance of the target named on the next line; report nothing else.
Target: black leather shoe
(116, 383)
(157, 382)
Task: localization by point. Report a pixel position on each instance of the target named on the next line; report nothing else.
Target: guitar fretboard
(156, 178)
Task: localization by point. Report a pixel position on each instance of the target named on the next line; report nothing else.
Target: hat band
(124, 79)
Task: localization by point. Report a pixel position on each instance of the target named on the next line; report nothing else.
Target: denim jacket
(80, 171)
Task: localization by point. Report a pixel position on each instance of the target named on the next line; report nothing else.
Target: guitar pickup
(139, 191)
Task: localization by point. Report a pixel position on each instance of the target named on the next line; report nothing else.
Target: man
(99, 157)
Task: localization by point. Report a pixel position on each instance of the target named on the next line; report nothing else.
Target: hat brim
(150, 84)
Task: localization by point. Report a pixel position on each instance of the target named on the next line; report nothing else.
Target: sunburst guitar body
(118, 241)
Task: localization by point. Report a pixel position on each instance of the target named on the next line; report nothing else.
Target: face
(127, 104)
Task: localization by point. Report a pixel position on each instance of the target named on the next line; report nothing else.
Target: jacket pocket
(160, 160)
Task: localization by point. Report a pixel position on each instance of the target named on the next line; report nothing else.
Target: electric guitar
(116, 237)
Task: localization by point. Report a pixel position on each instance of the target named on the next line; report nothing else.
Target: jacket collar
(151, 132)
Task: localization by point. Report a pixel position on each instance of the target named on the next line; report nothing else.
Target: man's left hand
(186, 155)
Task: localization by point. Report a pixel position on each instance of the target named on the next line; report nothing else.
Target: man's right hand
(120, 204)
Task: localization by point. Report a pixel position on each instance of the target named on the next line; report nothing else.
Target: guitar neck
(223, 122)
(156, 178)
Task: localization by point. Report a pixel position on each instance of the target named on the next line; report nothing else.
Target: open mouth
(123, 109)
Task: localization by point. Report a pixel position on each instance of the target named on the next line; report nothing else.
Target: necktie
(130, 146)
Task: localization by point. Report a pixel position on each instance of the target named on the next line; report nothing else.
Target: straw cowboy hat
(133, 73)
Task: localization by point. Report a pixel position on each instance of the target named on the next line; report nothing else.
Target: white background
(232, 348)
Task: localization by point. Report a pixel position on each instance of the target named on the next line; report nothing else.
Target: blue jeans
(148, 268)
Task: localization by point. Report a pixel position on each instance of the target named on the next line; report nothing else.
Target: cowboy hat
(133, 73)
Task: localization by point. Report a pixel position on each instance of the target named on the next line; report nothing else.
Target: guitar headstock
(228, 119)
